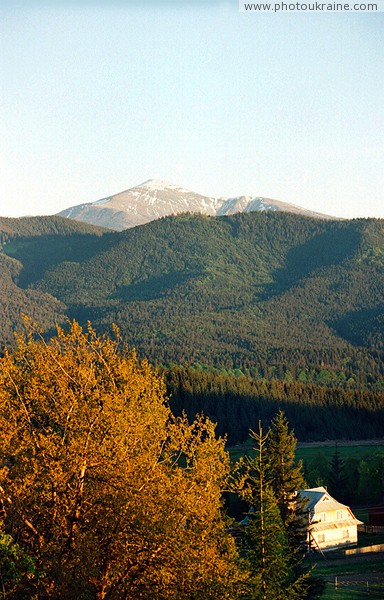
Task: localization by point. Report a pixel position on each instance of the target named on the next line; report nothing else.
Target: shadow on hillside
(237, 413)
(41, 253)
(362, 327)
(329, 248)
(153, 288)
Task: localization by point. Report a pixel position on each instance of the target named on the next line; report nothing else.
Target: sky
(99, 96)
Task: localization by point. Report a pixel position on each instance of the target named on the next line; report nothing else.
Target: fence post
(336, 583)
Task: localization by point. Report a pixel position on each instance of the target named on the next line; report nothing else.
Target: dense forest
(238, 403)
(113, 479)
(53, 239)
(267, 295)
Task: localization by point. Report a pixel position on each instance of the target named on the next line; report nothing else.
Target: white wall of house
(331, 524)
(332, 533)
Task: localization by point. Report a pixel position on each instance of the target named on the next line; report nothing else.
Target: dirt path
(353, 559)
(376, 575)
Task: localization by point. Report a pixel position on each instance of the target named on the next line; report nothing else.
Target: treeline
(237, 403)
(25, 227)
(354, 480)
(358, 367)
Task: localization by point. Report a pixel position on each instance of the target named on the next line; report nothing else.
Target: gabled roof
(319, 500)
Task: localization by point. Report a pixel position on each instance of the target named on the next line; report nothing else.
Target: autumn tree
(112, 496)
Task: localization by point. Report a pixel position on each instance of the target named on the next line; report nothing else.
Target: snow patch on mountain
(102, 201)
(155, 198)
(160, 185)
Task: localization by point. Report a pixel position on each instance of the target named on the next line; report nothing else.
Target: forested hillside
(238, 403)
(271, 295)
(39, 227)
(43, 241)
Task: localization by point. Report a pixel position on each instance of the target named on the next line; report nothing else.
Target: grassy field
(346, 450)
(330, 568)
(308, 451)
(353, 591)
(369, 539)
(363, 515)
(351, 578)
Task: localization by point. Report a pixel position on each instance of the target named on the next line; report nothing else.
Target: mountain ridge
(156, 198)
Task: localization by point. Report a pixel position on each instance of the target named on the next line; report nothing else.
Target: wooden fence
(370, 528)
(364, 549)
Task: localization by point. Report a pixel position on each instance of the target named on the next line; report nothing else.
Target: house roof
(319, 500)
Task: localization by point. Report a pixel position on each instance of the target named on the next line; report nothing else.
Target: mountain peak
(156, 198)
(161, 185)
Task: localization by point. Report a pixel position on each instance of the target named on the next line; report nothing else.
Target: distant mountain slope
(39, 226)
(42, 242)
(272, 293)
(154, 199)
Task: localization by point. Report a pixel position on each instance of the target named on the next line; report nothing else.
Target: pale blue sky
(100, 96)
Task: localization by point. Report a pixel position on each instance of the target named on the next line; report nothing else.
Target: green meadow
(308, 452)
(350, 579)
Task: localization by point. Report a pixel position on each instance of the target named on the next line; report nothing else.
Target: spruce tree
(337, 482)
(286, 477)
(266, 546)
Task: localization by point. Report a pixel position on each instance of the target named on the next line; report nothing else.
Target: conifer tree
(265, 540)
(16, 568)
(337, 481)
(286, 477)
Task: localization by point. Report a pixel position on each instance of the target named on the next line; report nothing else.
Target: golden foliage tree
(113, 496)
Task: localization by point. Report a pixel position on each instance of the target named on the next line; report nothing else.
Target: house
(376, 516)
(331, 524)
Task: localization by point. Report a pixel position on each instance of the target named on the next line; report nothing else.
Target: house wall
(334, 538)
(332, 533)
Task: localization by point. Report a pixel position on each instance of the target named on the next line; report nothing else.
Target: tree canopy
(112, 496)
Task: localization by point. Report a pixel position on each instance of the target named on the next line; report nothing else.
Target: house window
(323, 517)
(339, 515)
(345, 534)
(321, 538)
